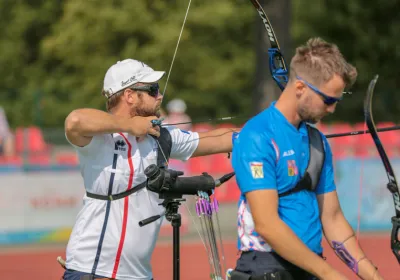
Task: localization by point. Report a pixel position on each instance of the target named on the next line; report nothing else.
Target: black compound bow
(392, 184)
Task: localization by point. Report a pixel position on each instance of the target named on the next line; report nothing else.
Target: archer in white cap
(114, 148)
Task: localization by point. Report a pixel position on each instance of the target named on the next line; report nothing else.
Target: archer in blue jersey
(288, 197)
(272, 154)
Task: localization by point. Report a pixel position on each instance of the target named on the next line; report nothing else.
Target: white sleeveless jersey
(106, 239)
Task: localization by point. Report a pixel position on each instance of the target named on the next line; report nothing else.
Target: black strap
(118, 195)
(278, 275)
(315, 163)
(164, 143)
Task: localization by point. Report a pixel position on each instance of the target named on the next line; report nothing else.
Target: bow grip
(156, 122)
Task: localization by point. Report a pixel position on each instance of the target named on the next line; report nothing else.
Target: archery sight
(167, 182)
(171, 187)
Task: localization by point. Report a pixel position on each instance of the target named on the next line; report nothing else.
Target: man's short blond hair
(318, 61)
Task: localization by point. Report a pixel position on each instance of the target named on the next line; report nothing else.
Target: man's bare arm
(264, 209)
(82, 124)
(341, 236)
(215, 141)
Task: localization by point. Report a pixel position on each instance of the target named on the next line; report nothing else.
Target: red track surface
(41, 264)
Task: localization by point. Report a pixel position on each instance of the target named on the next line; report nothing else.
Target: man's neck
(287, 105)
(121, 112)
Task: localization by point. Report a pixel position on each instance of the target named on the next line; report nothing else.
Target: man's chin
(142, 113)
(311, 120)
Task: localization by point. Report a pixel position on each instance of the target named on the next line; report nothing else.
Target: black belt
(278, 275)
(118, 195)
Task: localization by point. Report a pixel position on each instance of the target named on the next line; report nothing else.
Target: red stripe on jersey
(126, 204)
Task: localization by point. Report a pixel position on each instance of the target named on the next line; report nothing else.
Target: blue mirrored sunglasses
(152, 89)
(328, 100)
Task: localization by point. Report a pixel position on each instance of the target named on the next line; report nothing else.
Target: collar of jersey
(281, 118)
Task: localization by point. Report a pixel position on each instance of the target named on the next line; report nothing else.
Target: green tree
(23, 25)
(73, 51)
(55, 53)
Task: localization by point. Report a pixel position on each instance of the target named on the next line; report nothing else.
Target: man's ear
(128, 95)
(300, 88)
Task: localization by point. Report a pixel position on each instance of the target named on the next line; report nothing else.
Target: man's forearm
(226, 141)
(91, 122)
(342, 239)
(215, 141)
(285, 242)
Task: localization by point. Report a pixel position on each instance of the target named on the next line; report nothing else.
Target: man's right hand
(141, 126)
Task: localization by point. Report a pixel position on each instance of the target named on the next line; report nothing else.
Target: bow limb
(277, 65)
(392, 184)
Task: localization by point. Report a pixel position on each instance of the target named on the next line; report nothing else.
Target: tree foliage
(54, 53)
(59, 51)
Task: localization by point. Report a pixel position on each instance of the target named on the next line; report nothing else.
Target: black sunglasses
(152, 89)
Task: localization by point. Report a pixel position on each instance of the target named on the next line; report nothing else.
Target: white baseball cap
(126, 73)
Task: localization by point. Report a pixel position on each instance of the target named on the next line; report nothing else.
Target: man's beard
(139, 110)
(307, 117)
(305, 113)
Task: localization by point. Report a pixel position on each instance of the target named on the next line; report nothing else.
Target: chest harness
(310, 179)
(163, 153)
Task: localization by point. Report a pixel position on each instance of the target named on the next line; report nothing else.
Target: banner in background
(42, 207)
(361, 186)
